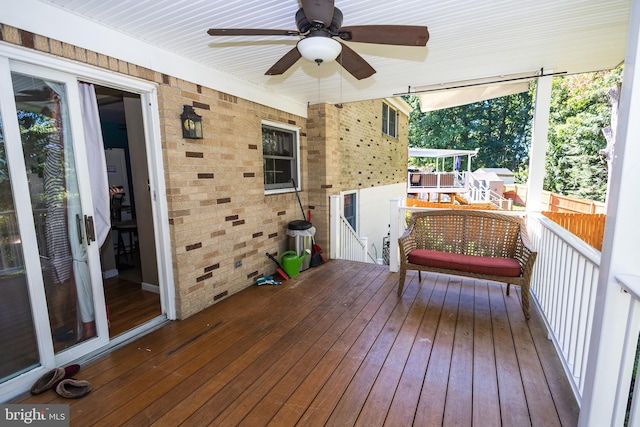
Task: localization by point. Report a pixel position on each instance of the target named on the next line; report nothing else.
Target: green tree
(580, 110)
(499, 127)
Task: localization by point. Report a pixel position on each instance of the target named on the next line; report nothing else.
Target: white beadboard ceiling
(469, 40)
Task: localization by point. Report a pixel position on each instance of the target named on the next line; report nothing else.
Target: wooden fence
(588, 227)
(554, 202)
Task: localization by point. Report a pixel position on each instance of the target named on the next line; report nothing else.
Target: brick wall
(369, 158)
(218, 211)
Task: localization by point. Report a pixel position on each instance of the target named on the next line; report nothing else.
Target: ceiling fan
(319, 23)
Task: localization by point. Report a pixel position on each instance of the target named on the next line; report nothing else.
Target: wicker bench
(468, 243)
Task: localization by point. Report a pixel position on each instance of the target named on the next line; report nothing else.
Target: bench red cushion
(507, 267)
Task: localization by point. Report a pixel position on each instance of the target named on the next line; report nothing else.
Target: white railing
(344, 241)
(436, 181)
(563, 285)
(480, 192)
(631, 285)
(352, 246)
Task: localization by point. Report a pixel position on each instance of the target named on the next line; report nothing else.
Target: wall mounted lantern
(191, 123)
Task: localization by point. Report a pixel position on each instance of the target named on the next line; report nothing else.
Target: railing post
(365, 248)
(394, 233)
(334, 226)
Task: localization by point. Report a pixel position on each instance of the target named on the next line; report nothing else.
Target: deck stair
(461, 200)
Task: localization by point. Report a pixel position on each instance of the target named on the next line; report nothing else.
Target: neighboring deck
(337, 346)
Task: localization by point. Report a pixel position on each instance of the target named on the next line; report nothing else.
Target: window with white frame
(350, 209)
(389, 120)
(280, 153)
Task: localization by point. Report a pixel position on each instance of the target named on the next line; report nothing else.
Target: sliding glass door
(51, 301)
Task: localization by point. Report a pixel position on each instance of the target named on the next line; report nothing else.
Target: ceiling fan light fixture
(319, 49)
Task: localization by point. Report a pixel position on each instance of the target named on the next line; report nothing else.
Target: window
(280, 155)
(389, 121)
(350, 210)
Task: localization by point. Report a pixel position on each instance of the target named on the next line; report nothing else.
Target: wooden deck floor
(337, 346)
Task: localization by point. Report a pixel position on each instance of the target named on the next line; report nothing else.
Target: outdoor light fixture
(191, 123)
(319, 49)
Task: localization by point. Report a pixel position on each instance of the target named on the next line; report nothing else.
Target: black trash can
(300, 239)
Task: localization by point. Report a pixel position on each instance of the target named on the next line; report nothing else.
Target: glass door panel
(43, 117)
(17, 331)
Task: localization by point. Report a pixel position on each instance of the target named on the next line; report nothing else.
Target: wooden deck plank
(559, 387)
(262, 353)
(407, 394)
(337, 346)
(334, 319)
(333, 390)
(302, 399)
(375, 408)
(513, 403)
(197, 355)
(430, 411)
(287, 385)
(486, 401)
(541, 407)
(349, 407)
(459, 400)
(194, 354)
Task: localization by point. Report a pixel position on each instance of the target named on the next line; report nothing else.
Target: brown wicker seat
(467, 232)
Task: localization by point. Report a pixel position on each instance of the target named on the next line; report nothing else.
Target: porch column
(539, 144)
(334, 227)
(619, 253)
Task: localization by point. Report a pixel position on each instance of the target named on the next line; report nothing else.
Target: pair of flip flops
(60, 380)
(267, 280)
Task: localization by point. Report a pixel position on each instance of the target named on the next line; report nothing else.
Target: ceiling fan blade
(284, 63)
(251, 32)
(399, 35)
(318, 11)
(354, 63)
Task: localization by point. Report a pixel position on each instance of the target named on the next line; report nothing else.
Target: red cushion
(507, 267)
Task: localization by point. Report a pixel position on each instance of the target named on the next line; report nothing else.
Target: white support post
(619, 251)
(334, 226)
(539, 144)
(394, 233)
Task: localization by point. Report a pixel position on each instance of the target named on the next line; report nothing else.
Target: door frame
(11, 55)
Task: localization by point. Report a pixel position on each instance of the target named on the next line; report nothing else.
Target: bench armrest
(407, 242)
(525, 254)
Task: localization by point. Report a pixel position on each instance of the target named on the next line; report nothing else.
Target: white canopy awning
(437, 153)
(463, 93)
